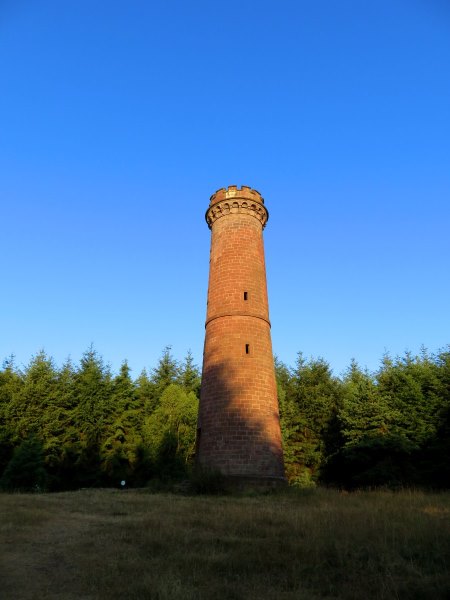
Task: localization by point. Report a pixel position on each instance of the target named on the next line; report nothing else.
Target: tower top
(232, 191)
(233, 200)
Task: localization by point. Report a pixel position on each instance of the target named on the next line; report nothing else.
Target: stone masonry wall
(238, 429)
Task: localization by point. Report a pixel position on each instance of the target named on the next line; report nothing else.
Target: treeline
(82, 426)
(389, 428)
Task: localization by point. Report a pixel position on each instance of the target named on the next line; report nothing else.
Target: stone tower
(238, 425)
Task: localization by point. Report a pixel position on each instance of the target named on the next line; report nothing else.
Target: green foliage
(144, 392)
(410, 386)
(80, 425)
(118, 451)
(391, 425)
(189, 375)
(92, 415)
(309, 397)
(364, 412)
(387, 428)
(34, 398)
(170, 430)
(166, 373)
(10, 383)
(376, 461)
(25, 471)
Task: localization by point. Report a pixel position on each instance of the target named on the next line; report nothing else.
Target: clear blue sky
(119, 119)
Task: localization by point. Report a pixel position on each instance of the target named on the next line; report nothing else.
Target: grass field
(310, 544)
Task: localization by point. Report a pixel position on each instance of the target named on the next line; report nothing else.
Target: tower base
(242, 483)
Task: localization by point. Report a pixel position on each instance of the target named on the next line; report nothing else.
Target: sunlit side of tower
(238, 426)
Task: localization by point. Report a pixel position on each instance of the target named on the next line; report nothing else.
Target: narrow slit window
(245, 295)
(247, 348)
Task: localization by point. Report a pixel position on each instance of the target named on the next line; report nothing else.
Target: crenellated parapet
(234, 200)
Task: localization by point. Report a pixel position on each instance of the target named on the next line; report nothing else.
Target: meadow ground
(310, 544)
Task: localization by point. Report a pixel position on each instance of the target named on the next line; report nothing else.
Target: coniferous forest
(78, 426)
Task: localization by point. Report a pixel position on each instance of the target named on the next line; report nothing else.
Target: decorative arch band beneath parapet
(235, 206)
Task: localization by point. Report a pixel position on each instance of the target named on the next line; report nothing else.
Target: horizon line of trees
(75, 426)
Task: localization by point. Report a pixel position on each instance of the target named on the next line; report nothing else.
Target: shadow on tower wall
(238, 429)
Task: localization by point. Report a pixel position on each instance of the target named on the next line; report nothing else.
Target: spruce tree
(189, 375)
(164, 374)
(119, 450)
(11, 380)
(59, 433)
(317, 396)
(170, 431)
(364, 412)
(92, 414)
(291, 423)
(25, 471)
(30, 401)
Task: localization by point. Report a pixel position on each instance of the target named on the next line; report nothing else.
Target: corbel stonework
(236, 206)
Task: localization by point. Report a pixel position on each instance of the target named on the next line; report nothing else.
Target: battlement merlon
(232, 191)
(234, 200)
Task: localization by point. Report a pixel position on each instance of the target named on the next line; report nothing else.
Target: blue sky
(119, 119)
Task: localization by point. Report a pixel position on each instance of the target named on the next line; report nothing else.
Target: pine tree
(292, 424)
(317, 396)
(92, 414)
(144, 392)
(119, 450)
(11, 381)
(28, 405)
(410, 386)
(25, 471)
(166, 373)
(189, 375)
(60, 437)
(388, 422)
(170, 431)
(364, 411)
(435, 463)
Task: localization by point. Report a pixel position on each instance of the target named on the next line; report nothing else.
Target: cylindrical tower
(238, 426)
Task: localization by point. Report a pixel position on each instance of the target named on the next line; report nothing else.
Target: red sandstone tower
(238, 425)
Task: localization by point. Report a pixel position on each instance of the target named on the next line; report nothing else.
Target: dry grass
(313, 544)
